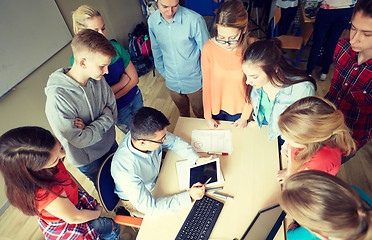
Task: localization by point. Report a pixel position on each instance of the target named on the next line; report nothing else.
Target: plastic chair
(204, 7)
(292, 42)
(109, 199)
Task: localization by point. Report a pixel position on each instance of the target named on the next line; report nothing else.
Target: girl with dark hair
(38, 184)
(223, 89)
(273, 84)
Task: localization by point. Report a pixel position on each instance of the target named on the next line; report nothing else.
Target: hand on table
(79, 123)
(197, 191)
(240, 123)
(203, 159)
(212, 124)
(253, 123)
(282, 175)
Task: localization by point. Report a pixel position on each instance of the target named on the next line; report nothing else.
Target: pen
(216, 194)
(208, 181)
(214, 189)
(218, 153)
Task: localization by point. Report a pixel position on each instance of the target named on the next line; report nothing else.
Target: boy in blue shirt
(177, 37)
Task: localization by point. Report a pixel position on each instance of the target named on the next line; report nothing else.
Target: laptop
(266, 224)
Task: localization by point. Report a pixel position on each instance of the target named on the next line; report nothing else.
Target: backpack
(144, 44)
(140, 49)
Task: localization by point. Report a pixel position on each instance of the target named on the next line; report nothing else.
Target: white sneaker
(323, 77)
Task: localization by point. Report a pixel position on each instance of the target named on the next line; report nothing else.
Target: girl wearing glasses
(272, 83)
(223, 90)
(38, 184)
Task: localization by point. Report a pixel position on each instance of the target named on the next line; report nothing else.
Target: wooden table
(250, 176)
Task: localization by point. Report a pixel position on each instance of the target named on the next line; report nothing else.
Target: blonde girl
(223, 90)
(315, 135)
(122, 76)
(326, 208)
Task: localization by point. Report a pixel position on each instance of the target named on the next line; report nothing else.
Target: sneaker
(121, 211)
(323, 77)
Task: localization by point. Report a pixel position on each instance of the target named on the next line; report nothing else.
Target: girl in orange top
(221, 63)
(315, 135)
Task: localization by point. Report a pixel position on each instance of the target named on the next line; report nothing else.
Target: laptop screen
(266, 224)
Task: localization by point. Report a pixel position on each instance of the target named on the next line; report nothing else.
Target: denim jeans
(222, 115)
(125, 113)
(328, 27)
(106, 228)
(91, 170)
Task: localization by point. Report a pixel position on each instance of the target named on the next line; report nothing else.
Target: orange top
(223, 84)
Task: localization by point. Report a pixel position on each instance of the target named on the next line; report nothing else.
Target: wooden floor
(15, 226)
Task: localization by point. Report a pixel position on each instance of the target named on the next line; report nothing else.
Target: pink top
(327, 159)
(223, 84)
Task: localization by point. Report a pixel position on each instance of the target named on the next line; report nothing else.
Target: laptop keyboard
(201, 219)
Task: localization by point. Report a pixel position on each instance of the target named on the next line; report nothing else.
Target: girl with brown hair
(223, 89)
(38, 184)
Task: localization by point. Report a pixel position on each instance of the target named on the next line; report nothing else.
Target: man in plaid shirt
(351, 87)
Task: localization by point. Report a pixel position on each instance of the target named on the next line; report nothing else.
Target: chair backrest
(106, 186)
(275, 21)
(306, 31)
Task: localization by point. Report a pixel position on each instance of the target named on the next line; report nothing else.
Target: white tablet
(202, 172)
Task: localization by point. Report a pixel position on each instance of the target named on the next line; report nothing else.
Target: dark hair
(92, 41)
(364, 6)
(24, 152)
(146, 122)
(268, 54)
(233, 14)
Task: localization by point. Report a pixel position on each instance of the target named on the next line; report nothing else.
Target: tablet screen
(203, 172)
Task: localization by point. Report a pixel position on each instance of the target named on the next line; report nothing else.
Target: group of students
(228, 77)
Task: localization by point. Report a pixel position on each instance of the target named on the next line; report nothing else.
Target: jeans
(328, 27)
(222, 115)
(106, 228)
(288, 14)
(125, 113)
(91, 170)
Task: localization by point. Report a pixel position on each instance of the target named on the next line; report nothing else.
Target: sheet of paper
(183, 174)
(213, 141)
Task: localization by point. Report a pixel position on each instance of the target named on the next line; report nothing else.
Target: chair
(292, 42)
(109, 199)
(204, 8)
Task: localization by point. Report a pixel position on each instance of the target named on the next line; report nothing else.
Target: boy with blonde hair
(81, 107)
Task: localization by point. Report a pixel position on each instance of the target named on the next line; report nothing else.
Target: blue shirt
(176, 48)
(135, 174)
(286, 96)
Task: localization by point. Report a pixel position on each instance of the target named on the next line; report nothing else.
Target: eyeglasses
(161, 140)
(230, 42)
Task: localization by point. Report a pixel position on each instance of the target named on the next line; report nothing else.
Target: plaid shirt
(63, 230)
(351, 91)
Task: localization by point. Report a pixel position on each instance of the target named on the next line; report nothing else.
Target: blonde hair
(92, 41)
(80, 15)
(315, 122)
(233, 14)
(326, 205)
